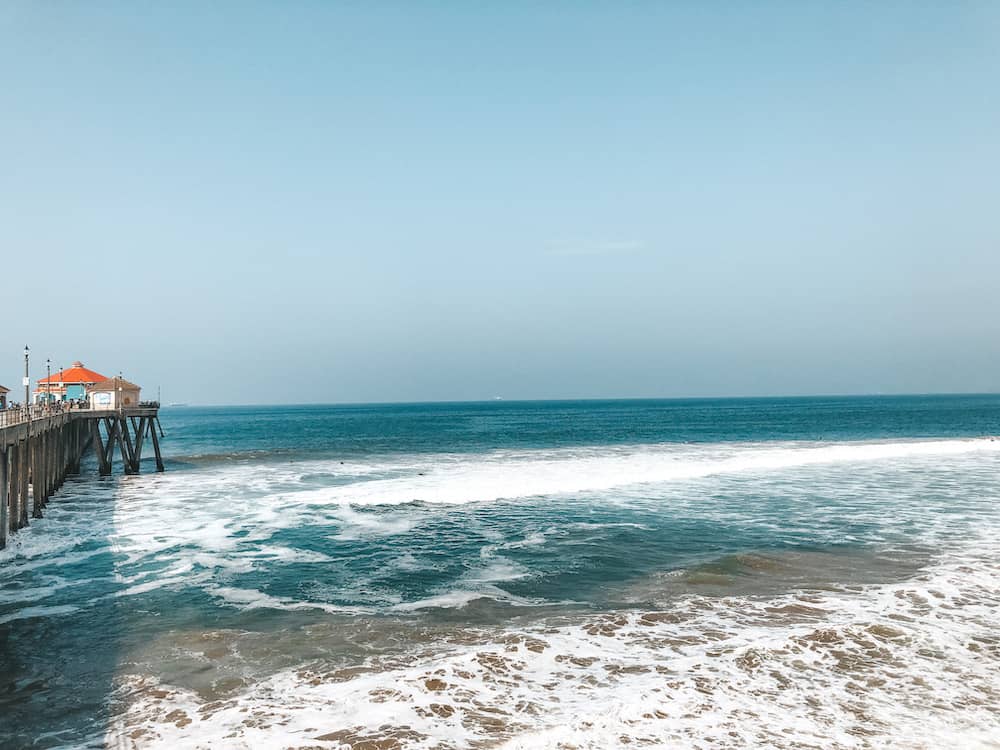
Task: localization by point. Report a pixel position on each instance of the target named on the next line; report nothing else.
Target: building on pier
(71, 384)
(3, 397)
(113, 393)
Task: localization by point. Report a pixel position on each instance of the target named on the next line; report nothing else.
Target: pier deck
(41, 446)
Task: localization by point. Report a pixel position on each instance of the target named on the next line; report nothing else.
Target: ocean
(738, 573)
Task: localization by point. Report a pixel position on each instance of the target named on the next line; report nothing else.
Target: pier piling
(41, 447)
(3, 497)
(25, 477)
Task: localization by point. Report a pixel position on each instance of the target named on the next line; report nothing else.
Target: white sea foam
(910, 665)
(357, 525)
(49, 586)
(220, 521)
(497, 569)
(448, 600)
(462, 596)
(159, 583)
(409, 563)
(288, 555)
(28, 612)
(254, 599)
(519, 474)
(223, 510)
(534, 539)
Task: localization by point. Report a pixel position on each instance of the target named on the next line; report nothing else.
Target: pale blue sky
(320, 201)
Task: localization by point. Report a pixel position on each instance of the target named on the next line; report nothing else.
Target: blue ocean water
(689, 573)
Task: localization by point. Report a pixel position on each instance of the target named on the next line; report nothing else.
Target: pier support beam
(52, 462)
(73, 462)
(84, 438)
(73, 445)
(125, 445)
(3, 498)
(156, 441)
(102, 456)
(62, 459)
(14, 487)
(37, 453)
(43, 447)
(24, 471)
(140, 435)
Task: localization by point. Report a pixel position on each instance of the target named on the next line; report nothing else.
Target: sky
(303, 202)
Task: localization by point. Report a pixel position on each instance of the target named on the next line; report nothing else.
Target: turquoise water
(704, 573)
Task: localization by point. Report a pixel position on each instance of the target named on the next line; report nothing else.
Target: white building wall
(109, 399)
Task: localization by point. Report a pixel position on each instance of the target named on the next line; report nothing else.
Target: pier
(42, 444)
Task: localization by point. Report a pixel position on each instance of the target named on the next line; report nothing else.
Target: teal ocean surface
(742, 573)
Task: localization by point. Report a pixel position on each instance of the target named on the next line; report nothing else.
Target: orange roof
(75, 374)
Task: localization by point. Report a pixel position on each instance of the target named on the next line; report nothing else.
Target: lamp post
(27, 381)
(48, 383)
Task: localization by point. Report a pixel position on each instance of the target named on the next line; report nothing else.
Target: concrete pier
(40, 447)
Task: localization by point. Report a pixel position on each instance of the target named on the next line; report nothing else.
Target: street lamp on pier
(48, 382)
(27, 381)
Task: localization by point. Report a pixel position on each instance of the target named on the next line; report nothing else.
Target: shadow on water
(61, 621)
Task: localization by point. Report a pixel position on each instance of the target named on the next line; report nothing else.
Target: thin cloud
(582, 249)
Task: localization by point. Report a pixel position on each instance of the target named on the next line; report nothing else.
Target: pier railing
(20, 414)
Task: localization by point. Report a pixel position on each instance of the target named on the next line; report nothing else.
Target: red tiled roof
(75, 374)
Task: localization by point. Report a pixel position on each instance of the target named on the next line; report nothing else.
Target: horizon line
(906, 394)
